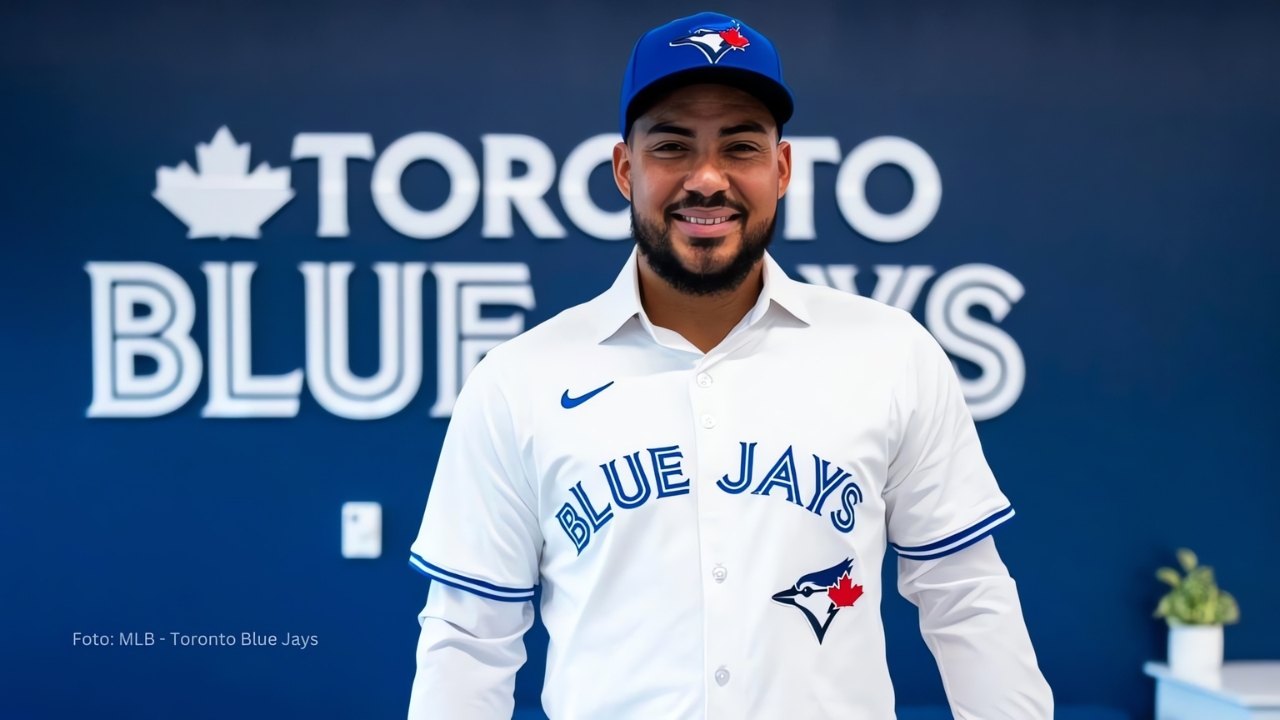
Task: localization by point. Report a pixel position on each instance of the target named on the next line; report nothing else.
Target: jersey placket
(714, 439)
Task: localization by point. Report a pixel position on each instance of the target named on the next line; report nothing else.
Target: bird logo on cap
(714, 42)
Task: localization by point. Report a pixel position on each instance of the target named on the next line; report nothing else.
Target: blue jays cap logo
(820, 595)
(715, 42)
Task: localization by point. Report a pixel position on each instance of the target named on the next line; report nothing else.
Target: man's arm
(972, 622)
(479, 542)
(468, 653)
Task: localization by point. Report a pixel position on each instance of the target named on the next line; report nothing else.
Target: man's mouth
(706, 223)
(699, 220)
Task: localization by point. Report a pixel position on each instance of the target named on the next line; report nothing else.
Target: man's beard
(654, 242)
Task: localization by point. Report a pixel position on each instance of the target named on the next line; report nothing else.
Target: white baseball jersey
(708, 529)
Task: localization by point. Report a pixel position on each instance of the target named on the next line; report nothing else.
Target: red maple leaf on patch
(844, 593)
(734, 37)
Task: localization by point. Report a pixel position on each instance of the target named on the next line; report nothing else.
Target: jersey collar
(620, 304)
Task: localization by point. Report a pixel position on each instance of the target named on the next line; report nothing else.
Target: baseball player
(703, 466)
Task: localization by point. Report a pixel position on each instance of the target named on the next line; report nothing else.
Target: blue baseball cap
(703, 48)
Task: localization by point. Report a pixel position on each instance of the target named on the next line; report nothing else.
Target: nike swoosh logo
(568, 403)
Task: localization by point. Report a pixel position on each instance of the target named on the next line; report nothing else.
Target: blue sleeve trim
(953, 550)
(473, 591)
(956, 541)
(470, 584)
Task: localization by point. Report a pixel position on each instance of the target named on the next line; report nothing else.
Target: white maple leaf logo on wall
(223, 199)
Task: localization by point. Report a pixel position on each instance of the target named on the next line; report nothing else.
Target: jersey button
(704, 380)
(722, 676)
(719, 573)
(708, 422)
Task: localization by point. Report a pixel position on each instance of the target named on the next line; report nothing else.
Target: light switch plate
(361, 530)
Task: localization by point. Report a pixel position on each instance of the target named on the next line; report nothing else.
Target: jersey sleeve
(480, 529)
(940, 495)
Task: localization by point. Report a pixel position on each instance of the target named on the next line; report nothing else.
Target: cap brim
(773, 95)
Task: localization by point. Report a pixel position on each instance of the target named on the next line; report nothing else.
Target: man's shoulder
(850, 314)
(530, 363)
(559, 338)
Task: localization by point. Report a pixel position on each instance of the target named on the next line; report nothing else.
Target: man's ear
(784, 167)
(622, 169)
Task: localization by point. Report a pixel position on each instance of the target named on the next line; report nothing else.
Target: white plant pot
(1195, 650)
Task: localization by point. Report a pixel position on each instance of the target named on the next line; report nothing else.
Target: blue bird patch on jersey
(820, 595)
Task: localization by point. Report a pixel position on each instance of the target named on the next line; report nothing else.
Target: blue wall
(1118, 161)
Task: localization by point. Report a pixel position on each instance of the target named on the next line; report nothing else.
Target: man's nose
(707, 176)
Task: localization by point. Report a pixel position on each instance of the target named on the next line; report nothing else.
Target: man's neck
(703, 320)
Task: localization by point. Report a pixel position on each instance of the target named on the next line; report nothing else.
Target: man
(702, 466)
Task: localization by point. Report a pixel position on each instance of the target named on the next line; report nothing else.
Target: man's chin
(701, 247)
(705, 260)
(720, 249)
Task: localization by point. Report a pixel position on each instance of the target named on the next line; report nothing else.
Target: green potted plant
(1196, 610)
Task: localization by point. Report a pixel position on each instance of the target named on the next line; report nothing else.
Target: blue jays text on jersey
(587, 513)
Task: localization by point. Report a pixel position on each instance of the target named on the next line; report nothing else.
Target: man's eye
(669, 147)
(742, 148)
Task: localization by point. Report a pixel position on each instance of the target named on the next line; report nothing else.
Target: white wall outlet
(361, 530)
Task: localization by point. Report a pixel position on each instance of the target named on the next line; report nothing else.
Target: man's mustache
(698, 200)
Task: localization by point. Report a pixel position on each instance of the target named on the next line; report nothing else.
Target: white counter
(1244, 690)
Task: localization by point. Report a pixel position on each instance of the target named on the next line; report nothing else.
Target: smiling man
(703, 467)
(703, 169)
